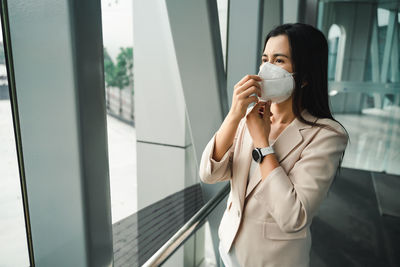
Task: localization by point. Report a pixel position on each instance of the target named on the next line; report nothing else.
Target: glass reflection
(363, 63)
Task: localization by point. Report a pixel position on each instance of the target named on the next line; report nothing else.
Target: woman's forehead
(277, 45)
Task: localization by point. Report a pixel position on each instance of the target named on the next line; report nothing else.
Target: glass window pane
(363, 64)
(223, 24)
(13, 242)
(118, 68)
(153, 170)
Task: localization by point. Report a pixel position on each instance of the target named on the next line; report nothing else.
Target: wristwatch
(259, 153)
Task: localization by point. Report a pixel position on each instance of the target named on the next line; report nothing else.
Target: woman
(280, 157)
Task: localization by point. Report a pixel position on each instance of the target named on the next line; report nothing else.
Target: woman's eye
(279, 60)
(264, 60)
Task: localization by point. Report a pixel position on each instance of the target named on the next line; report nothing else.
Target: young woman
(280, 157)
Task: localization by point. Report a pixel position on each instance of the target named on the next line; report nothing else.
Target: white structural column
(197, 43)
(244, 41)
(166, 160)
(249, 23)
(163, 141)
(290, 11)
(272, 16)
(57, 54)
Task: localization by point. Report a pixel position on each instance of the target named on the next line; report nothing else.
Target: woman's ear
(304, 84)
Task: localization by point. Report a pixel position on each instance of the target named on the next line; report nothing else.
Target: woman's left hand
(259, 123)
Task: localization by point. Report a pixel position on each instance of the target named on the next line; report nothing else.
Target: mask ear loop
(303, 85)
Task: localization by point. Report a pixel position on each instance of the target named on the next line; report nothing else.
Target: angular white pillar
(197, 43)
(57, 54)
(162, 136)
(244, 41)
(249, 23)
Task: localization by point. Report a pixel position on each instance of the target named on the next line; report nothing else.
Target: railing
(187, 230)
(120, 104)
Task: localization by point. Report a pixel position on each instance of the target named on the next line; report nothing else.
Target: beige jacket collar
(283, 145)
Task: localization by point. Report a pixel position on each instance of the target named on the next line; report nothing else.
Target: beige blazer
(269, 221)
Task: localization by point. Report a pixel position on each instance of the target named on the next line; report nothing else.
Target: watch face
(256, 155)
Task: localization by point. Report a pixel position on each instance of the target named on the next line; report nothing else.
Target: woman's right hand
(240, 101)
(243, 95)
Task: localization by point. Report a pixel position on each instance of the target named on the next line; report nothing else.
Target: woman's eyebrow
(276, 55)
(282, 55)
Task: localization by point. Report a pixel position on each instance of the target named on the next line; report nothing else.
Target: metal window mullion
(388, 46)
(395, 52)
(375, 66)
(395, 59)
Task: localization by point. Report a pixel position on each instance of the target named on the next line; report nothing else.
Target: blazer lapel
(289, 138)
(254, 179)
(286, 141)
(242, 167)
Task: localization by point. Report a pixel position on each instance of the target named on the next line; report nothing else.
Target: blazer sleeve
(293, 198)
(212, 171)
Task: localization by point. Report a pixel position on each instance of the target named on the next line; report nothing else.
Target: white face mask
(277, 84)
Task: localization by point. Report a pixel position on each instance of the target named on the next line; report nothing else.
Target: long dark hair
(309, 52)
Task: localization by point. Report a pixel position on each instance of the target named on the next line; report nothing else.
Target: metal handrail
(186, 230)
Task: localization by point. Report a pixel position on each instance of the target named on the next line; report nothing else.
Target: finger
(250, 100)
(247, 85)
(256, 107)
(267, 111)
(249, 91)
(246, 78)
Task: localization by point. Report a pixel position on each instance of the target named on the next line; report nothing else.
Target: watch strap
(266, 151)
